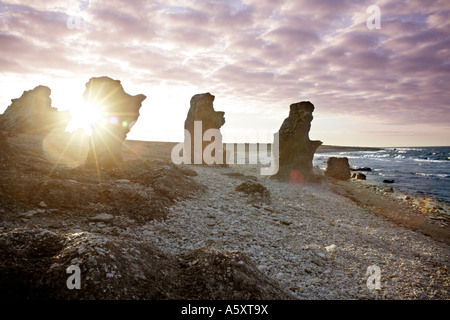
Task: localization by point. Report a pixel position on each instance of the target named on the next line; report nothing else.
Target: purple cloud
(270, 53)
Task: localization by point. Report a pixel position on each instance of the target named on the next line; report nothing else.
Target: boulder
(202, 109)
(360, 176)
(118, 111)
(295, 149)
(338, 168)
(33, 113)
(255, 191)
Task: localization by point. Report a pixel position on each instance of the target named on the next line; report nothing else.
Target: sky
(375, 80)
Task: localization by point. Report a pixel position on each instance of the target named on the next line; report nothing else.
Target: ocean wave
(430, 160)
(432, 175)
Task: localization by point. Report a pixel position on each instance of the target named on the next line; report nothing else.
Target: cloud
(269, 53)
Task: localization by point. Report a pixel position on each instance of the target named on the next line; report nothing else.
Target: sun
(84, 116)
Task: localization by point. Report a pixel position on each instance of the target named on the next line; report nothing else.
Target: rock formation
(202, 109)
(338, 168)
(119, 111)
(296, 150)
(33, 113)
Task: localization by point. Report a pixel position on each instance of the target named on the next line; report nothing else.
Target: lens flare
(296, 178)
(83, 117)
(113, 120)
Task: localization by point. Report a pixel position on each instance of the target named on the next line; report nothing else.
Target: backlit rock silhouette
(33, 113)
(118, 112)
(296, 150)
(202, 109)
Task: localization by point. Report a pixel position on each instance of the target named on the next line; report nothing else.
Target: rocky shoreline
(152, 230)
(317, 243)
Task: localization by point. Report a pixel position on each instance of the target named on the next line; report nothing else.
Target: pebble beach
(315, 242)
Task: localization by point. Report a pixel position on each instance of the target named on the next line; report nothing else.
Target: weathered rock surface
(296, 150)
(338, 168)
(34, 262)
(202, 109)
(4, 147)
(32, 113)
(119, 111)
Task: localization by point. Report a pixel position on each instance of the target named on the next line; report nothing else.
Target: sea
(422, 171)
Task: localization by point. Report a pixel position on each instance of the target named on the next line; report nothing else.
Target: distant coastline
(321, 149)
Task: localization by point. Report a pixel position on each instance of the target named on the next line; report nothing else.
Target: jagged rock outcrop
(296, 150)
(33, 113)
(119, 111)
(202, 109)
(338, 168)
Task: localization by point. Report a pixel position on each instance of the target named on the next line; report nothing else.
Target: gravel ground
(318, 244)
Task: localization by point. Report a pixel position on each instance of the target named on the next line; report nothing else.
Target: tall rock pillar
(296, 150)
(118, 112)
(200, 118)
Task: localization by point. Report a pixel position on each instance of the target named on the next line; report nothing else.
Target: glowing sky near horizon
(379, 87)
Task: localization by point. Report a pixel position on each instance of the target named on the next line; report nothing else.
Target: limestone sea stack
(296, 150)
(33, 113)
(118, 112)
(202, 112)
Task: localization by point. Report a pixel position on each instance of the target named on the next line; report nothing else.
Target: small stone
(315, 281)
(42, 204)
(245, 234)
(330, 248)
(123, 181)
(308, 270)
(103, 217)
(29, 213)
(318, 262)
